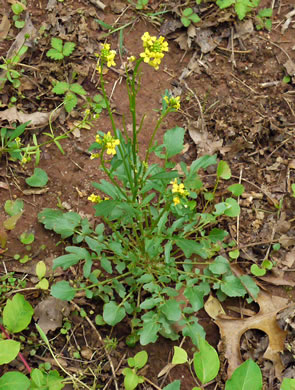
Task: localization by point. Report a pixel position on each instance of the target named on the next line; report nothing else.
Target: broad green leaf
(131, 380)
(195, 296)
(257, 271)
(232, 286)
(49, 217)
(54, 54)
(189, 247)
(38, 179)
(173, 141)
(193, 330)
(247, 376)
(179, 356)
(106, 265)
(195, 18)
(9, 350)
(149, 332)
(187, 12)
(202, 162)
(140, 359)
(43, 284)
(14, 207)
(66, 261)
(77, 88)
(63, 290)
(171, 310)
(236, 189)
(149, 303)
(17, 314)
(250, 285)
(241, 9)
(223, 170)
(288, 384)
(233, 208)
(206, 362)
(68, 48)
(14, 381)
(265, 13)
(216, 235)
(219, 266)
(175, 385)
(112, 313)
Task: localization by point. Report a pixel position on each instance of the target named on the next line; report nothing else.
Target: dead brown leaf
(203, 140)
(4, 27)
(213, 307)
(50, 313)
(36, 119)
(231, 331)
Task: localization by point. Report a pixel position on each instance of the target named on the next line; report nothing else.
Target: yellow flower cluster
(96, 198)
(173, 102)
(106, 56)
(178, 189)
(153, 49)
(109, 142)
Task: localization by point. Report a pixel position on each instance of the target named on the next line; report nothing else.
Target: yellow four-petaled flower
(178, 189)
(153, 49)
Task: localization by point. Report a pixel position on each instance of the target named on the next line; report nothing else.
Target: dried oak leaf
(36, 118)
(50, 313)
(231, 331)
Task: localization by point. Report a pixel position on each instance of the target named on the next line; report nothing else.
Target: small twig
(98, 4)
(102, 343)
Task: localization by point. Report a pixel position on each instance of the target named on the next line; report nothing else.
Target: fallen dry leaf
(213, 307)
(203, 140)
(36, 118)
(50, 313)
(289, 259)
(231, 331)
(4, 185)
(4, 27)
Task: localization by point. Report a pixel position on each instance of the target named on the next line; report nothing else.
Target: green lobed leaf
(195, 295)
(9, 350)
(232, 286)
(149, 332)
(112, 313)
(171, 310)
(206, 362)
(61, 88)
(49, 217)
(202, 163)
(225, 3)
(179, 356)
(14, 381)
(62, 223)
(56, 43)
(54, 54)
(63, 290)
(68, 48)
(189, 247)
(66, 261)
(70, 101)
(216, 235)
(77, 88)
(193, 330)
(219, 266)
(17, 313)
(173, 141)
(246, 376)
(38, 179)
(241, 9)
(251, 286)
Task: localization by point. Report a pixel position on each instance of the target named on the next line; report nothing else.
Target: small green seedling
(27, 238)
(242, 7)
(70, 91)
(8, 66)
(41, 272)
(266, 265)
(132, 379)
(293, 190)
(18, 8)
(59, 50)
(263, 19)
(141, 4)
(188, 16)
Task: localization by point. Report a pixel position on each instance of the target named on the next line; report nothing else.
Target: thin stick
(102, 342)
